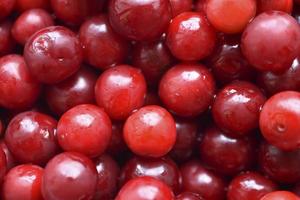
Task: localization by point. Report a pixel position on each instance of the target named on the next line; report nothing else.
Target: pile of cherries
(150, 99)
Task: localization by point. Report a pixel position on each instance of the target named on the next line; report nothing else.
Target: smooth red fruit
(10, 161)
(180, 6)
(23, 182)
(23, 5)
(30, 22)
(102, 47)
(230, 16)
(249, 186)
(281, 166)
(140, 20)
(108, 174)
(150, 131)
(197, 179)
(188, 196)
(280, 195)
(163, 169)
(53, 54)
(18, 89)
(187, 89)
(7, 43)
(117, 144)
(69, 176)
(280, 5)
(30, 137)
(190, 37)
(85, 129)
(280, 120)
(276, 36)
(145, 188)
(6, 8)
(237, 107)
(3, 165)
(75, 90)
(120, 90)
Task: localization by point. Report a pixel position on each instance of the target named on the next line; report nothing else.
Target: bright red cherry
(75, 90)
(190, 37)
(6, 8)
(150, 131)
(53, 54)
(18, 89)
(280, 195)
(271, 41)
(280, 5)
(85, 129)
(3, 165)
(280, 120)
(102, 47)
(30, 137)
(69, 176)
(230, 16)
(145, 188)
(23, 5)
(237, 107)
(10, 161)
(188, 196)
(187, 89)
(249, 186)
(180, 6)
(7, 43)
(120, 90)
(30, 22)
(23, 182)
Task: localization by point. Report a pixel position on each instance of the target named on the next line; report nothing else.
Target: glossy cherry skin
(281, 166)
(280, 5)
(53, 54)
(249, 186)
(102, 47)
(108, 174)
(145, 188)
(30, 137)
(187, 89)
(23, 182)
(227, 155)
(140, 20)
(75, 12)
(85, 129)
(75, 90)
(3, 165)
(190, 37)
(237, 107)
(15, 81)
(262, 35)
(69, 176)
(10, 161)
(30, 22)
(197, 179)
(150, 131)
(7, 42)
(289, 80)
(6, 7)
(280, 118)
(117, 144)
(163, 169)
(23, 5)
(188, 196)
(153, 58)
(180, 6)
(280, 195)
(120, 90)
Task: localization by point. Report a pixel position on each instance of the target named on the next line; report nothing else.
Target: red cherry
(280, 195)
(117, 144)
(281, 5)
(7, 43)
(180, 6)
(10, 161)
(189, 196)
(200, 6)
(3, 165)
(23, 5)
(6, 7)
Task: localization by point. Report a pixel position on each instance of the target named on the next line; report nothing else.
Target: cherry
(30, 22)
(250, 186)
(280, 195)
(281, 166)
(117, 144)
(150, 131)
(188, 196)
(15, 81)
(145, 188)
(140, 20)
(53, 54)
(237, 107)
(163, 169)
(30, 137)
(102, 47)
(23, 182)
(23, 5)
(280, 118)
(190, 37)
(281, 5)
(230, 16)
(3, 165)
(6, 7)
(75, 90)
(262, 35)
(197, 179)
(180, 6)
(120, 90)
(187, 89)
(10, 161)
(108, 174)
(7, 43)
(200, 6)
(69, 176)
(85, 129)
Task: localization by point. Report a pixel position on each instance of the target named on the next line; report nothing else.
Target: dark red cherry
(53, 54)
(3, 165)
(117, 144)
(7, 43)
(6, 8)
(200, 6)
(23, 5)
(23, 182)
(152, 98)
(188, 196)
(278, 195)
(102, 47)
(281, 5)
(10, 161)
(180, 6)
